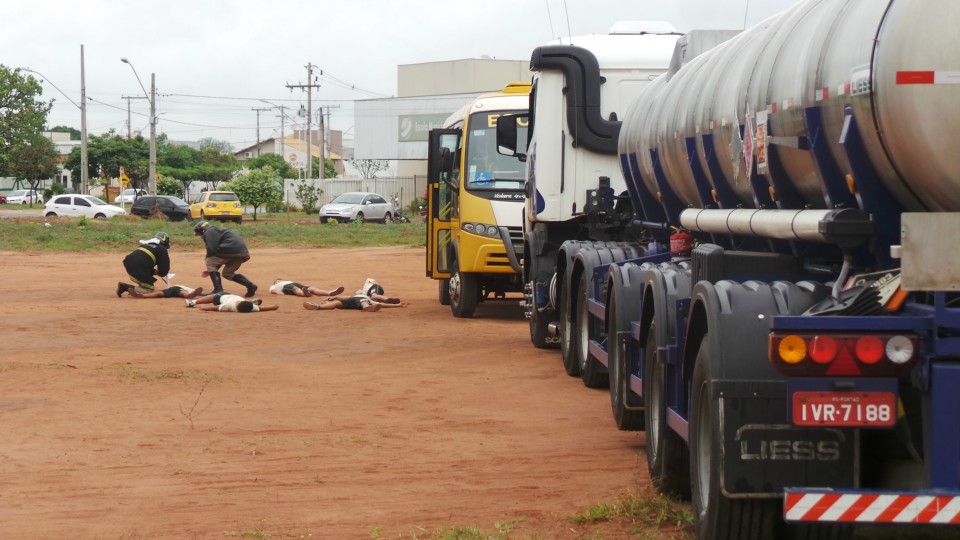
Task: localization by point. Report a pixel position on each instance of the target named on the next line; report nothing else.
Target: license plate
(844, 409)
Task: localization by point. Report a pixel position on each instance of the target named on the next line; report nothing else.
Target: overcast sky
(217, 60)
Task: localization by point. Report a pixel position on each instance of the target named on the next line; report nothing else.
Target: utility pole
(309, 86)
(283, 134)
(323, 137)
(128, 98)
(152, 96)
(258, 126)
(84, 161)
(152, 182)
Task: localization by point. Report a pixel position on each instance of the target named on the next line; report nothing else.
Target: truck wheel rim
(653, 430)
(704, 449)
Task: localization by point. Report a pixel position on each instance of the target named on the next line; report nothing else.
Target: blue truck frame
(613, 295)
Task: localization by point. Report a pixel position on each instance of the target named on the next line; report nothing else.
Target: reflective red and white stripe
(928, 77)
(832, 507)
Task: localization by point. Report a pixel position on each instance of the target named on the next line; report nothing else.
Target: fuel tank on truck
(894, 63)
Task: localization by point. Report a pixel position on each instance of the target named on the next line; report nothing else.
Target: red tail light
(869, 349)
(827, 355)
(823, 349)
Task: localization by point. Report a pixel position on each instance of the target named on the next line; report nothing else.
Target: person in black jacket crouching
(227, 250)
(142, 264)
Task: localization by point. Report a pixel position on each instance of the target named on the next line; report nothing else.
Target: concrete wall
(396, 128)
(459, 76)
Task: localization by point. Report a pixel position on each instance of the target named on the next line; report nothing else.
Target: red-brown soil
(128, 418)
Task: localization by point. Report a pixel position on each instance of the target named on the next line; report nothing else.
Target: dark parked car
(175, 208)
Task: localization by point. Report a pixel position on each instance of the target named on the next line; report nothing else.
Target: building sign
(416, 127)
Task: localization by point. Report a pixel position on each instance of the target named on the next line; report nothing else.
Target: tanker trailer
(790, 341)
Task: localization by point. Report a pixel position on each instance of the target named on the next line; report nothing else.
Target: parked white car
(24, 196)
(80, 205)
(359, 206)
(128, 196)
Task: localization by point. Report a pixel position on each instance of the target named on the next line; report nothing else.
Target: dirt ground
(128, 418)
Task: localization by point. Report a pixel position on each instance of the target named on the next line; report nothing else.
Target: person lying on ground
(359, 301)
(178, 291)
(374, 290)
(292, 288)
(223, 301)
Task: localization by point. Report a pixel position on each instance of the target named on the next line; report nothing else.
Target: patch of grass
(503, 530)
(122, 232)
(644, 511)
(252, 533)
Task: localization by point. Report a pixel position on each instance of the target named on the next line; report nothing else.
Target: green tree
(168, 185)
(257, 188)
(273, 160)
(74, 133)
(107, 153)
(217, 167)
(218, 145)
(329, 171)
(33, 160)
(55, 189)
(22, 113)
(308, 195)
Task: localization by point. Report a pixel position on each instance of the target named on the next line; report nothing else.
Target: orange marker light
(792, 349)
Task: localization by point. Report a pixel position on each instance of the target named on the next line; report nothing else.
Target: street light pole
(152, 97)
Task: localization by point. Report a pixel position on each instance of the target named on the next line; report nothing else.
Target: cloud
(237, 52)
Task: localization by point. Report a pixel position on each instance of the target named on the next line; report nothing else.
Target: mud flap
(763, 454)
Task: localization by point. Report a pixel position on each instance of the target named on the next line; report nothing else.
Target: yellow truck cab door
(443, 181)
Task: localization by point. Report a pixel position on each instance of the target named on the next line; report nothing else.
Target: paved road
(36, 212)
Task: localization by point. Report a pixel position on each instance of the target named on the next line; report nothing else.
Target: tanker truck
(785, 325)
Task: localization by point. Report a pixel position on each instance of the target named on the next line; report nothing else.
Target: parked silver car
(359, 206)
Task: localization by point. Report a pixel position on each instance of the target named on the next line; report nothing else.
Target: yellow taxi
(222, 205)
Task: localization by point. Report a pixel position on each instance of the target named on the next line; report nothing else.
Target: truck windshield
(486, 169)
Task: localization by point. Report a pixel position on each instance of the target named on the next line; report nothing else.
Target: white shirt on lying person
(228, 302)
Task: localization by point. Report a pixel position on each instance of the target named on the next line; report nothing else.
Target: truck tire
(568, 337)
(667, 454)
(444, 292)
(539, 333)
(566, 286)
(539, 321)
(714, 515)
(592, 372)
(628, 418)
(464, 293)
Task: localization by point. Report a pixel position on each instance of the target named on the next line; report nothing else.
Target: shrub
(55, 189)
(308, 196)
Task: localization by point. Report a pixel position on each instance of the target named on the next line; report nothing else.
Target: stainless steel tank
(896, 63)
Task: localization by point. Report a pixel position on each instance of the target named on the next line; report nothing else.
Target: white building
(397, 128)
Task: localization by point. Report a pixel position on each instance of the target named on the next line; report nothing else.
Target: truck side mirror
(507, 129)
